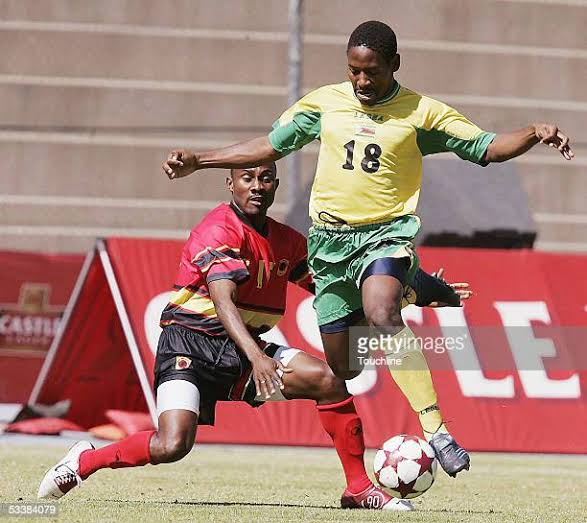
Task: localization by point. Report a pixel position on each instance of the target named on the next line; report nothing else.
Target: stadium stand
(95, 94)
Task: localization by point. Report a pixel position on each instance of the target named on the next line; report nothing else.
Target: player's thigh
(337, 351)
(382, 289)
(312, 378)
(178, 408)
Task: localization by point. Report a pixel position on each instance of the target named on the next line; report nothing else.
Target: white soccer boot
(64, 476)
(374, 498)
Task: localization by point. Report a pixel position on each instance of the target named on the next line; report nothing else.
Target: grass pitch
(249, 484)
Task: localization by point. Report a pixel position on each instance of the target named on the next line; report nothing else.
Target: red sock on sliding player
(129, 452)
(344, 426)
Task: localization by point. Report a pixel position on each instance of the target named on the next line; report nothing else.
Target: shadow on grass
(211, 503)
(273, 505)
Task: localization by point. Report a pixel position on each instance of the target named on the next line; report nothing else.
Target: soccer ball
(406, 466)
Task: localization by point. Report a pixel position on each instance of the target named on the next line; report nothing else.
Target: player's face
(370, 73)
(253, 190)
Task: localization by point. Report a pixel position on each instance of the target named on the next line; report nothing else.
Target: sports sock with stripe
(415, 381)
(344, 426)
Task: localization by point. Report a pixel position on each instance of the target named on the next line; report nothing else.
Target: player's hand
(552, 136)
(461, 289)
(180, 163)
(265, 375)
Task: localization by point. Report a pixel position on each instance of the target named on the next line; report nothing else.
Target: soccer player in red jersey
(230, 288)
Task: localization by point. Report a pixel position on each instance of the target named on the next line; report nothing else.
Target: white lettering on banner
(152, 317)
(528, 351)
(472, 381)
(19, 325)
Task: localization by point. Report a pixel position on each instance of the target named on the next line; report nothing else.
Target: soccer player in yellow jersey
(373, 134)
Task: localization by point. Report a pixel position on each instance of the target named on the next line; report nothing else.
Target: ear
(395, 63)
(276, 183)
(228, 183)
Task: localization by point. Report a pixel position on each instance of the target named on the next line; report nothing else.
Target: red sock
(129, 452)
(343, 424)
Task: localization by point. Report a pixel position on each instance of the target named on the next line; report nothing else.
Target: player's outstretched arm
(223, 293)
(509, 145)
(252, 153)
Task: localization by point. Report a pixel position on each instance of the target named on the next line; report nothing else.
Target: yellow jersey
(370, 161)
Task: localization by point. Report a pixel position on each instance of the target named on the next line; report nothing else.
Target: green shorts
(338, 256)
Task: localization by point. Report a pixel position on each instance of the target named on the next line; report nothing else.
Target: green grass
(222, 483)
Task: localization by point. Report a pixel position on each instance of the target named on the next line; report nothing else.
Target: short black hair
(375, 35)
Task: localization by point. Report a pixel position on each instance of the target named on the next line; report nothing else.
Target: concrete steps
(91, 111)
(168, 61)
(517, 23)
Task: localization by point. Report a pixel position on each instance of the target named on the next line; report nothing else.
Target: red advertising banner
(34, 290)
(514, 377)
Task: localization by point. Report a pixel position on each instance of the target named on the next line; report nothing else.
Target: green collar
(394, 90)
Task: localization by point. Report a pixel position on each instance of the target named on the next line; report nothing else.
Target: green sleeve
(436, 141)
(293, 135)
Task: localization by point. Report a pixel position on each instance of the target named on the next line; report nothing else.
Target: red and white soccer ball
(406, 466)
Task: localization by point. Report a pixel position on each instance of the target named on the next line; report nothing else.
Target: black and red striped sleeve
(300, 272)
(217, 254)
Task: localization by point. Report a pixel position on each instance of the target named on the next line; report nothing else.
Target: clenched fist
(180, 163)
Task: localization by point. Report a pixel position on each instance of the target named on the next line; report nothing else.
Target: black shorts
(212, 363)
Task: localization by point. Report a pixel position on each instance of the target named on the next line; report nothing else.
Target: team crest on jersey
(282, 267)
(365, 130)
(182, 363)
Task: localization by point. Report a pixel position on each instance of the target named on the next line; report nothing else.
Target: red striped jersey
(225, 245)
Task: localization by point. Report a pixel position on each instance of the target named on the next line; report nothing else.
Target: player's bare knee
(330, 385)
(385, 315)
(344, 373)
(173, 448)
